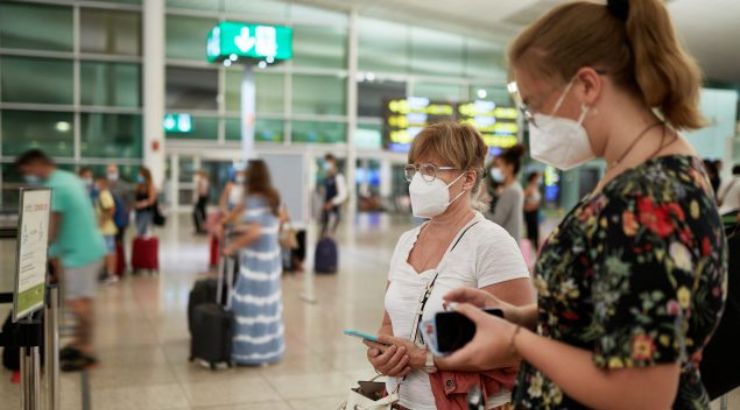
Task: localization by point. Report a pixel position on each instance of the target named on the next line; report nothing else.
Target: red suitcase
(214, 250)
(145, 253)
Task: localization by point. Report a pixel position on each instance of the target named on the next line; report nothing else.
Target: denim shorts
(110, 243)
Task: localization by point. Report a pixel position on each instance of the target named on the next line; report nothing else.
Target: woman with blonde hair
(631, 284)
(456, 247)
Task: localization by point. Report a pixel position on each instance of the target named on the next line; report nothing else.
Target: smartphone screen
(455, 330)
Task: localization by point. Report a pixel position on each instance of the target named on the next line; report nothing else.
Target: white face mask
(560, 142)
(430, 199)
(497, 175)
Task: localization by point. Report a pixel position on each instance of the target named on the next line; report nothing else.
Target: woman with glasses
(510, 203)
(631, 284)
(446, 163)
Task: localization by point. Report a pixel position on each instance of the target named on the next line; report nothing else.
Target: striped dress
(257, 301)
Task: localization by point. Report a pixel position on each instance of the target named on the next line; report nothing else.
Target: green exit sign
(231, 40)
(178, 123)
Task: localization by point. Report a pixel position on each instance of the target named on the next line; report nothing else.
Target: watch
(429, 366)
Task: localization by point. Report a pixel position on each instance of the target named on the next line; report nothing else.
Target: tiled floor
(143, 339)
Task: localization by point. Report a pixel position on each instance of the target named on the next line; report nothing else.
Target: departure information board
(404, 118)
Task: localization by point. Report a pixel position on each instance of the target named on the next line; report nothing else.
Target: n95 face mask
(429, 199)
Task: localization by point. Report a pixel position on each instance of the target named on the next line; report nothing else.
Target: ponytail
(666, 75)
(633, 41)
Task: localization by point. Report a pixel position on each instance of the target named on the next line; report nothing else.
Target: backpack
(121, 214)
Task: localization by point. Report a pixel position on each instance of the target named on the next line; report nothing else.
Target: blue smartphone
(362, 335)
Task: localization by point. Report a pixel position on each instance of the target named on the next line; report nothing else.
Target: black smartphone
(455, 330)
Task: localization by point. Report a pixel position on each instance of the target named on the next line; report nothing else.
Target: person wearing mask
(77, 242)
(335, 194)
(124, 199)
(105, 208)
(233, 193)
(257, 302)
(729, 193)
(456, 247)
(632, 283)
(145, 201)
(202, 189)
(532, 203)
(510, 203)
(86, 175)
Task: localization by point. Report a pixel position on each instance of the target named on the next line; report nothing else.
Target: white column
(386, 178)
(352, 117)
(248, 114)
(154, 83)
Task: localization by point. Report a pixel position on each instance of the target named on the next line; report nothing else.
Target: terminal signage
(232, 40)
(178, 123)
(405, 118)
(32, 250)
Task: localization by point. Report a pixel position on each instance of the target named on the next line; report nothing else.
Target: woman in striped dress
(257, 300)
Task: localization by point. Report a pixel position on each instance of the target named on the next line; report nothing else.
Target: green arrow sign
(232, 40)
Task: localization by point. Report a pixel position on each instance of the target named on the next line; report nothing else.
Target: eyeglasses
(428, 171)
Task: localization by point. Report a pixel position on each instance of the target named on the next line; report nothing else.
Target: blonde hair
(457, 145)
(633, 41)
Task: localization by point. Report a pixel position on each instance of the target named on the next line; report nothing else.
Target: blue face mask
(140, 179)
(32, 179)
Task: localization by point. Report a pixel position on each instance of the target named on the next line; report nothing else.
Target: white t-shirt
(729, 194)
(484, 256)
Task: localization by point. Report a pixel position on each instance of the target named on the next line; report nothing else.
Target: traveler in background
(713, 175)
(146, 199)
(532, 204)
(76, 240)
(105, 208)
(86, 175)
(510, 203)
(335, 194)
(446, 171)
(494, 186)
(632, 283)
(123, 196)
(202, 189)
(729, 194)
(257, 301)
(233, 193)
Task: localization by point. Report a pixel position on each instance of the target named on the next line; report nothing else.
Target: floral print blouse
(635, 274)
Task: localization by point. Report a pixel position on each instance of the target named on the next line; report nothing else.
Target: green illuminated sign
(231, 40)
(179, 123)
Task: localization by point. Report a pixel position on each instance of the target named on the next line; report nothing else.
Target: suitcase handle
(225, 270)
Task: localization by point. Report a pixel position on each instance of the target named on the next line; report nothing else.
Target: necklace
(634, 142)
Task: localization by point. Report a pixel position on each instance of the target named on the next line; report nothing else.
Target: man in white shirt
(729, 194)
(335, 193)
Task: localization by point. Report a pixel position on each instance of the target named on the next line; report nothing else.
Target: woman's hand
(417, 356)
(388, 360)
(491, 347)
(229, 251)
(482, 299)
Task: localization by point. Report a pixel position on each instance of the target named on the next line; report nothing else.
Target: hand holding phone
(450, 331)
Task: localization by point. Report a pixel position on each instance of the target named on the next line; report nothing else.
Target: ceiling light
(63, 126)
(370, 77)
(270, 60)
(233, 57)
(227, 63)
(482, 93)
(262, 65)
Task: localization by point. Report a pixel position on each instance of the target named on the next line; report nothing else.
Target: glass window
(383, 46)
(323, 47)
(36, 80)
(110, 32)
(320, 95)
(369, 136)
(187, 169)
(307, 13)
(498, 94)
(485, 59)
(186, 37)
(437, 53)
(36, 27)
(270, 91)
(110, 84)
(264, 130)
(372, 96)
(192, 88)
(319, 132)
(204, 128)
(111, 135)
(441, 91)
(52, 132)
(271, 8)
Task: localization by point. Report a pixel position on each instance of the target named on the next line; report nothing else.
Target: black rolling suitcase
(212, 324)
